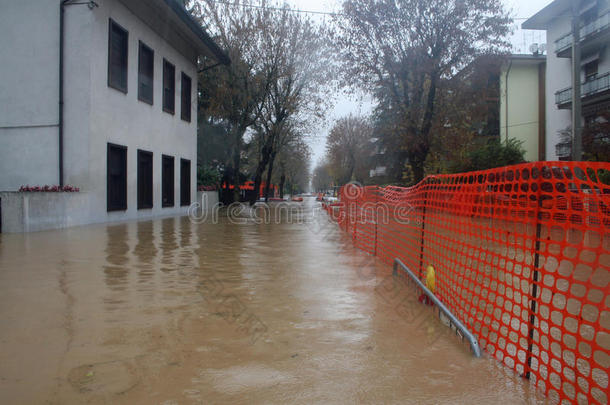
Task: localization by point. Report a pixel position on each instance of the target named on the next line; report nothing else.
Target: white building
(127, 81)
(556, 19)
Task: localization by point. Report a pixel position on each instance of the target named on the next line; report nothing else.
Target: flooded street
(174, 312)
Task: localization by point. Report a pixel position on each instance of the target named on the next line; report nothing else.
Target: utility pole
(576, 101)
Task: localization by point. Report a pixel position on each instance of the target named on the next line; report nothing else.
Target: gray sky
(521, 40)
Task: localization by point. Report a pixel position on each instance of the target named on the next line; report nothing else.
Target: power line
(275, 8)
(295, 10)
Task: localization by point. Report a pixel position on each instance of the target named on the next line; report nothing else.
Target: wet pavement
(174, 312)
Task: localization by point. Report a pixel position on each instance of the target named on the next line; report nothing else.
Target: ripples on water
(143, 297)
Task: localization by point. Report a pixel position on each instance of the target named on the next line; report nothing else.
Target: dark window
(145, 179)
(146, 68)
(185, 105)
(185, 182)
(169, 87)
(116, 182)
(117, 57)
(591, 70)
(167, 181)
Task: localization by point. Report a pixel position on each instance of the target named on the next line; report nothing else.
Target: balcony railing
(589, 88)
(602, 23)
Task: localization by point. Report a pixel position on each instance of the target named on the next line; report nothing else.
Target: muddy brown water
(174, 312)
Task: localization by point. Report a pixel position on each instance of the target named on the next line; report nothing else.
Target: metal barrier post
(355, 222)
(535, 275)
(423, 229)
(474, 344)
(376, 217)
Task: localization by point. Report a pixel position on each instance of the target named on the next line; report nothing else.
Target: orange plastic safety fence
(522, 257)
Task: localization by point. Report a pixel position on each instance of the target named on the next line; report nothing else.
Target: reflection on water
(117, 262)
(168, 244)
(145, 251)
(168, 311)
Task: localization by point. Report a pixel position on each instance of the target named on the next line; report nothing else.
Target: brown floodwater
(174, 312)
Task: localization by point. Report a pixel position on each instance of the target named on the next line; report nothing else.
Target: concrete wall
(207, 200)
(38, 211)
(29, 51)
(522, 109)
(30, 212)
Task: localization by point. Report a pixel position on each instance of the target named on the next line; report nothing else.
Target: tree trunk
(269, 173)
(237, 140)
(421, 154)
(226, 194)
(282, 181)
(350, 171)
(417, 165)
(258, 177)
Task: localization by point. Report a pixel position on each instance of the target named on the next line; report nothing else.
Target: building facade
(522, 103)
(556, 19)
(102, 96)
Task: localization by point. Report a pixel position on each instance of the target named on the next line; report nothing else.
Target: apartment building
(556, 19)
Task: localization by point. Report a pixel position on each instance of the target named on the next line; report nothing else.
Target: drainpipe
(61, 92)
(510, 64)
(576, 102)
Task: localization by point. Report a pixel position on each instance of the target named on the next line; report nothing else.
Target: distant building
(127, 83)
(522, 103)
(556, 19)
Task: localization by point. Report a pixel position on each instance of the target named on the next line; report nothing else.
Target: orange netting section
(522, 258)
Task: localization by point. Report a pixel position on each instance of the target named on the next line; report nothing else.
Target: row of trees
(429, 65)
(264, 105)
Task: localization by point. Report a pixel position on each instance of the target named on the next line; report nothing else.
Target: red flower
(49, 189)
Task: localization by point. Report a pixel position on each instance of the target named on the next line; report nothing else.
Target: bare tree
(401, 50)
(349, 148)
(235, 94)
(295, 53)
(321, 179)
(293, 160)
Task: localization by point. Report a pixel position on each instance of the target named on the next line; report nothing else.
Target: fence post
(355, 221)
(423, 229)
(535, 276)
(376, 216)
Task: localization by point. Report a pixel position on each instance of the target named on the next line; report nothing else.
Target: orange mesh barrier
(522, 257)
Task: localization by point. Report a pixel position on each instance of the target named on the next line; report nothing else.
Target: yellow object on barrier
(430, 278)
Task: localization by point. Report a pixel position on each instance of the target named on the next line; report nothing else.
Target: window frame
(165, 99)
(185, 111)
(185, 201)
(164, 176)
(145, 201)
(112, 24)
(112, 205)
(143, 47)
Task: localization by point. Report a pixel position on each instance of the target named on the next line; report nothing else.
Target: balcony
(591, 36)
(591, 92)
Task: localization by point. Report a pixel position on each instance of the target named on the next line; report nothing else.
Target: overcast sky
(522, 39)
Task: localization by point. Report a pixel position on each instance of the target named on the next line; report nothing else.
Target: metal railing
(474, 344)
(588, 88)
(586, 30)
